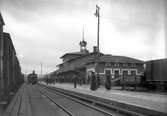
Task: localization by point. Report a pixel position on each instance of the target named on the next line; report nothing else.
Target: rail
(60, 106)
(93, 103)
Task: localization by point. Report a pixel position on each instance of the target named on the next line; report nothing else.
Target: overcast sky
(44, 30)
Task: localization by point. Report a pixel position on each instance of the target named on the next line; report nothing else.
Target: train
(11, 76)
(156, 74)
(32, 78)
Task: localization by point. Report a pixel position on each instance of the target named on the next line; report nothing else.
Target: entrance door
(133, 73)
(125, 73)
(116, 73)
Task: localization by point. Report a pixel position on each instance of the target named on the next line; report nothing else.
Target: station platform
(29, 102)
(152, 101)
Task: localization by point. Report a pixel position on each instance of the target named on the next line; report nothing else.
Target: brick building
(84, 62)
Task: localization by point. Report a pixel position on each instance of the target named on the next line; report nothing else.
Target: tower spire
(83, 34)
(83, 43)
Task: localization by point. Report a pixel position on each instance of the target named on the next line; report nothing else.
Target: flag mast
(97, 14)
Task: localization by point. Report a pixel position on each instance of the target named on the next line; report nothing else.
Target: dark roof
(164, 59)
(88, 54)
(1, 19)
(72, 67)
(73, 53)
(59, 64)
(123, 59)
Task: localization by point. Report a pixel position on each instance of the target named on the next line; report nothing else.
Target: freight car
(156, 74)
(32, 78)
(10, 71)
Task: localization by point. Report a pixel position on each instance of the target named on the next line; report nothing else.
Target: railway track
(54, 101)
(73, 106)
(63, 97)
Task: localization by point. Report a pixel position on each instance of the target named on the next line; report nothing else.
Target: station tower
(83, 44)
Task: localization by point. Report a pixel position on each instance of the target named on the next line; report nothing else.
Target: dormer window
(133, 65)
(125, 65)
(116, 64)
(107, 64)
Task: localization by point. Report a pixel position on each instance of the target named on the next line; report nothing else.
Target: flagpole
(41, 70)
(97, 14)
(98, 26)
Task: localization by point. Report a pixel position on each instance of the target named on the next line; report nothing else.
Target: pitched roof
(85, 55)
(123, 59)
(1, 20)
(164, 59)
(82, 65)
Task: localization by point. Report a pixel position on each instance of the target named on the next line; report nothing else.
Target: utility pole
(97, 14)
(41, 70)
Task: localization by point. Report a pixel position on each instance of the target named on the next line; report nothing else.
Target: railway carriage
(10, 71)
(156, 74)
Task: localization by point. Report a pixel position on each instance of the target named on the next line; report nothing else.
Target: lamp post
(41, 70)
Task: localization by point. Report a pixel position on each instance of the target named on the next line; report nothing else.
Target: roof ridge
(120, 58)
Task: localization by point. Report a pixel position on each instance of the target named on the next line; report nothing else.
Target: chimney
(95, 49)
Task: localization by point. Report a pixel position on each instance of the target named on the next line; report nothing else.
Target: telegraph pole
(41, 70)
(97, 14)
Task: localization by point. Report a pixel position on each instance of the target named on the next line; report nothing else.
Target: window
(107, 71)
(107, 64)
(125, 65)
(133, 65)
(116, 64)
(133, 73)
(129, 64)
(91, 70)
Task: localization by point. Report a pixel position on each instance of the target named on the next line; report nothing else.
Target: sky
(43, 30)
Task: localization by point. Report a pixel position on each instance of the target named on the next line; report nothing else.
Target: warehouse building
(1, 49)
(10, 70)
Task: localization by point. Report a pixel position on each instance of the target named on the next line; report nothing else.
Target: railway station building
(84, 62)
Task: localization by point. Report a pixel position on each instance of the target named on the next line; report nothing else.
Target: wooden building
(84, 62)
(10, 70)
